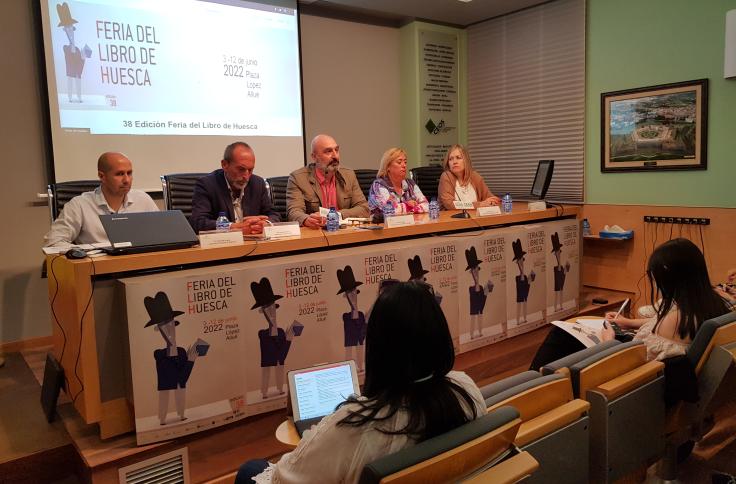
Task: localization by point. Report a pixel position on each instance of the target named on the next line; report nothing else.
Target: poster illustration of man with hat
(274, 341)
(173, 363)
(523, 282)
(559, 271)
(73, 56)
(418, 273)
(354, 321)
(478, 293)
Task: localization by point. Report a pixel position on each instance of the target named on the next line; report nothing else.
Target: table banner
(526, 296)
(563, 274)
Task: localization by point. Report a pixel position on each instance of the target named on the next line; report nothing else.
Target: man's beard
(332, 166)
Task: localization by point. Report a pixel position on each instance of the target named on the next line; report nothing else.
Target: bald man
(79, 221)
(324, 183)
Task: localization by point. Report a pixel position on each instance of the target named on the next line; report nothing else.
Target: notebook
(316, 391)
(131, 233)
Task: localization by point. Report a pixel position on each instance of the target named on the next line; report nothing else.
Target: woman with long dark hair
(410, 394)
(679, 276)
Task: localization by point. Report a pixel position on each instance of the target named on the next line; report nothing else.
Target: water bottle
(388, 210)
(507, 203)
(586, 227)
(222, 223)
(434, 209)
(333, 220)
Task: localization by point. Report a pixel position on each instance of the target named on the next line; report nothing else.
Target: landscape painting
(655, 128)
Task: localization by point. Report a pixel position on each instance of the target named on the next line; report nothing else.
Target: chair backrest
(563, 364)
(428, 179)
(365, 180)
(276, 186)
(606, 365)
(178, 189)
(714, 332)
(450, 456)
(534, 397)
(60, 193)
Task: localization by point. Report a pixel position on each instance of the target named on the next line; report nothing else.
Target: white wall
(351, 91)
(351, 87)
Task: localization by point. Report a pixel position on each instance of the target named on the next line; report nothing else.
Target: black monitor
(542, 178)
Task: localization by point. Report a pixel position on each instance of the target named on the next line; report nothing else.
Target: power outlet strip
(657, 219)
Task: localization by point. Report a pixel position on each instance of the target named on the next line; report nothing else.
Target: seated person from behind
(393, 187)
(79, 221)
(235, 190)
(678, 271)
(410, 395)
(459, 182)
(323, 183)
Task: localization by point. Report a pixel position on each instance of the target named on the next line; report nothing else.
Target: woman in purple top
(353, 322)
(393, 187)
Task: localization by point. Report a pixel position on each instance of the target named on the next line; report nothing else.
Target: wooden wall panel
(620, 265)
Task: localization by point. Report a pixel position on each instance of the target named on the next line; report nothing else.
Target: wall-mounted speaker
(729, 60)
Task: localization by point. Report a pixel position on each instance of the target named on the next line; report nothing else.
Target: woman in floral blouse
(393, 187)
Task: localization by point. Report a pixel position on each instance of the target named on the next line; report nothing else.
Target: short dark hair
(228, 155)
(677, 271)
(408, 372)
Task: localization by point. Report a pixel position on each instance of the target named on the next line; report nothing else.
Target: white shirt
(79, 221)
(465, 193)
(332, 453)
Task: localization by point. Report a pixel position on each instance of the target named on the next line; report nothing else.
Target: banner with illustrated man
(526, 296)
(563, 268)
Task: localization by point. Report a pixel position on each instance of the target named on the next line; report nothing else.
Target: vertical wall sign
(438, 99)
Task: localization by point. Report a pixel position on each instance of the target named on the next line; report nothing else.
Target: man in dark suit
(234, 190)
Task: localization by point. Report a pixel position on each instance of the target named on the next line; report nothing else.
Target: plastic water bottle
(507, 203)
(222, 223)
(586, 227)
(333, 220)
(388, 210)
(434, 209)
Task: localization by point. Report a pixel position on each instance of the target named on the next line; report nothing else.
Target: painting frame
(674, 138)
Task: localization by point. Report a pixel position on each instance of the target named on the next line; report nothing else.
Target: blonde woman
(393, 187)
(459, 182)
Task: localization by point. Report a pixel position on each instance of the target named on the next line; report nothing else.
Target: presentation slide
(172, 82)
(320, 391)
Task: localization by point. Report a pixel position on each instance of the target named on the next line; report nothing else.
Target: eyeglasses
(386, 283)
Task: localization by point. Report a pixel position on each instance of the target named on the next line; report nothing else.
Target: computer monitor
(542, 178)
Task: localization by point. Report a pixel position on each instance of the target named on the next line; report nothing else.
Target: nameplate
(537, 206)
(486, 211)
(217, 238)
(282, 229)
(463, 205)
(399, 220)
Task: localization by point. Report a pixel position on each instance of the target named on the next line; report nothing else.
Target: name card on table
(280, 230)
(537, 206)
(463, 205)
(492, 210)
(399, 220)
(220, 238)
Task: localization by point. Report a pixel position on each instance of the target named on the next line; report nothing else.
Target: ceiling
(400, 12)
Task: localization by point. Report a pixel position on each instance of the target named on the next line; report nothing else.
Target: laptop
(132, 233)
(316, 391)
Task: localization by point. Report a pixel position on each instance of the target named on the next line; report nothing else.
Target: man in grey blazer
(324, 183)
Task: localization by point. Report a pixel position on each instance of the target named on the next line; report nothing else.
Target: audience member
(410, 395)
(79, 221)
(678, 274)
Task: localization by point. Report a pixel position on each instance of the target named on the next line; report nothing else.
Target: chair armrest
(551, 421)
(616, 387)
(511, 470)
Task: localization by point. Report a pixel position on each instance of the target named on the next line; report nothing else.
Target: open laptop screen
(316, 391)
(542, 178)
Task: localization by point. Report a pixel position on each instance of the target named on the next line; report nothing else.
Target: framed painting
(655, 128)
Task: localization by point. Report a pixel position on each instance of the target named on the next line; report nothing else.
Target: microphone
(464, 213)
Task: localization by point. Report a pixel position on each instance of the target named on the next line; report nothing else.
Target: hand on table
(314, 221)
(251, 225)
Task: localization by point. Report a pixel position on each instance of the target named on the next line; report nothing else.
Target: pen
(626, 301)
